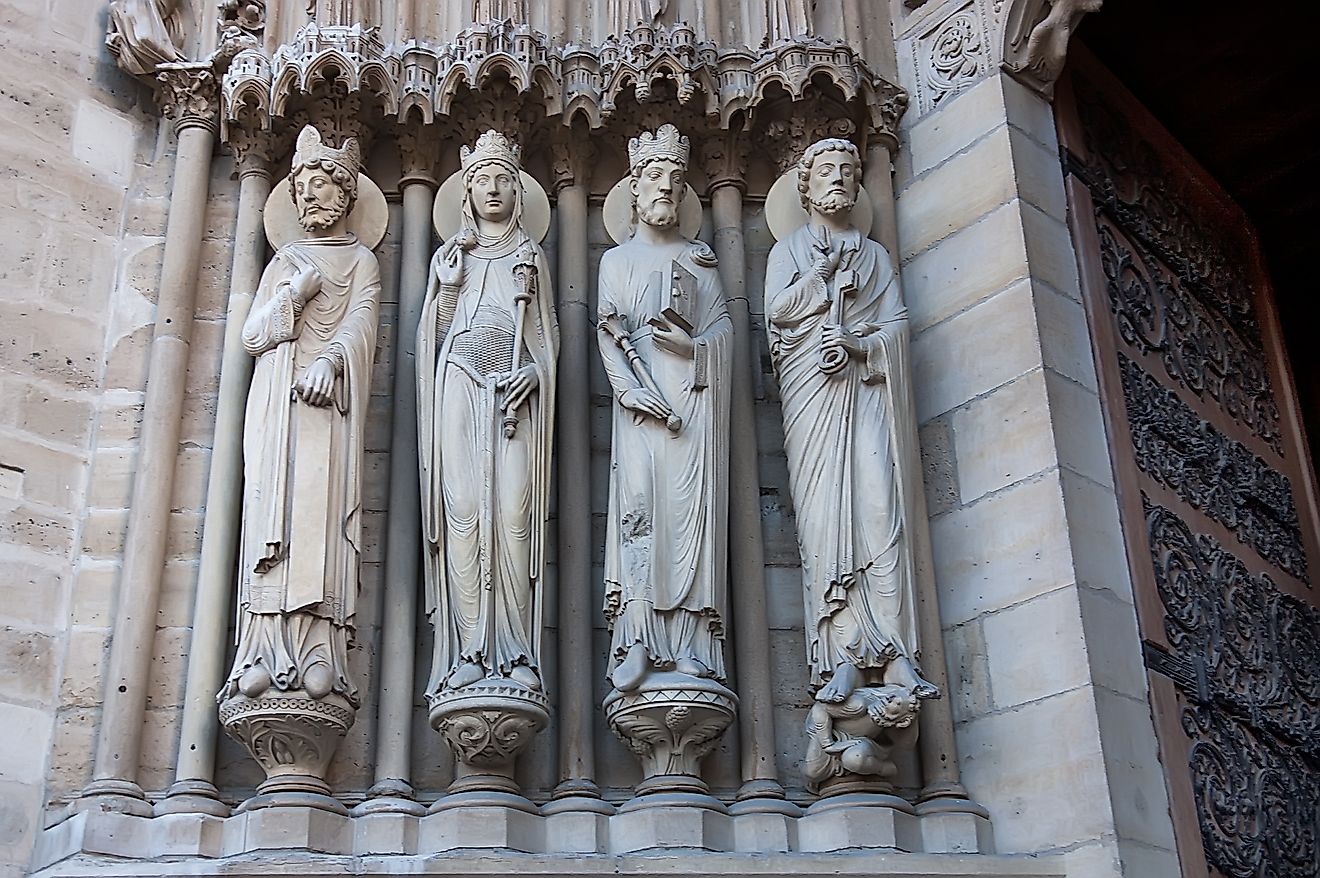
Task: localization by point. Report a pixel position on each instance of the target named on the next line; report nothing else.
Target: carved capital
(887, 106)
(419, 150)
(571, 161)
(793, 135)
(292, 735)
(189, 94)
(670, 723)
(724, 159)
(254, 149)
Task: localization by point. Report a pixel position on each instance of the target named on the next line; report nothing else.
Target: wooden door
(1215, 486)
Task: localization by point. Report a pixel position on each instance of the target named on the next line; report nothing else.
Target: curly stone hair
(830, 144)
(344, 178)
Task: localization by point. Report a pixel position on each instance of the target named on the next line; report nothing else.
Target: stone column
(725, 164)
(577, 790)
(392, 791)
(942, 788)
(188, 93)
(193, 789)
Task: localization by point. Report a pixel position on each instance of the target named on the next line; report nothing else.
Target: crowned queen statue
(486, 352)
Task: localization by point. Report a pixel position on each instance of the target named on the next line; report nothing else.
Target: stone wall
(81, 253)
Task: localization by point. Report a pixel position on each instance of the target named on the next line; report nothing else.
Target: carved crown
(491, 146)
(311, 148)
(666, 143)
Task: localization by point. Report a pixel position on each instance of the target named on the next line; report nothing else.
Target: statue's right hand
(305, 284)
(828, 262)
(639, 399)
(449, 263)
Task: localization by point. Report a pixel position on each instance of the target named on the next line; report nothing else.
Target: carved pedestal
(488, 724)
(293, 736)
(671, 721)
(849, 743)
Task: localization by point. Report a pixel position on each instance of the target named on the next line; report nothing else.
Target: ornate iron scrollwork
(1245, 659)
(1211, 472)
(1175, 287)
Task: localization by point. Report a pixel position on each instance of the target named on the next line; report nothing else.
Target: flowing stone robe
(143, 34)
(853, 461)
(302, 468)
(666, 536)
(485, 497)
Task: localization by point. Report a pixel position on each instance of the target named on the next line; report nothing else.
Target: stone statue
(312, 328)
(486, 353)
(839, 343)
(144, 33)
(666, 342)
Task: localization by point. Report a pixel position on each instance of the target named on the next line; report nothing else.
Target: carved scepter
(616, 331)
(524, 272)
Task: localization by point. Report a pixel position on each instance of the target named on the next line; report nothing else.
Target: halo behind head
(784, 212)
(367, 220)
(618, 212)
(447, 213)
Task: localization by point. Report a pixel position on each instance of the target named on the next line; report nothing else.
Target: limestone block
(1050, 251)
(169, 667)
(192, 465)
(28, 667)
(1136, 777)
(375, 480)
(1039, 770)
(1036, 648)
(1039, 175)
(664, 827)
(178, 591)
(197, 421)
(41, 410)
(184, 535)
(965, 268)
(62, 348)
(215, 267)
(955, 833)
(32, 594)
(578, 832)
(295, 828)
(974, 352)
(983, 178)
(22, 524)
(788, 667)
(187, 835)
(1029, 112)
(385, 834)
(111, 483)
(939, 466)
(145, 216)
(1140, 859)
(1065, 339)
(1099, 558)
(379, 427)
(851, 828)
(204, 355)
(969, 670)
(1001, 550)
(20, 810)
(1113, 644)
(1004, 436)
(78, 272)
(119, 418)
(481, 827)
(27, 733)
(160, 744)
(1079, 429)
(783, 598)
(73, 739)
(1100, 860)
(126, 366)
(140, 279)
(958, 122)
(118, 835)
(764, 833)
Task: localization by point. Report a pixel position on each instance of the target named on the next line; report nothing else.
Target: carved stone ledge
(488, 725)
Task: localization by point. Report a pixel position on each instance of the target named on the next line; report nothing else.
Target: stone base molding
(915, 844)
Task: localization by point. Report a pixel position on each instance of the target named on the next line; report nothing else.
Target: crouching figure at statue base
(289, 697)
(839, 343)
(666, 342)
(486, 353)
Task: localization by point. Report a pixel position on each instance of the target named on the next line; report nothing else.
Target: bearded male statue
(839, 343)
(312, 328)
(666, 342)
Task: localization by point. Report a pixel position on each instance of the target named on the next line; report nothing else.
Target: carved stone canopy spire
(312, 149)
(666, 143)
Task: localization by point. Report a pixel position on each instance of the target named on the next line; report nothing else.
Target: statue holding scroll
(839, 342)
(312, 328)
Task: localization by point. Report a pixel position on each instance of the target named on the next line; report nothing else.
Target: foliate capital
(189, 94)
(570, 161)
(724, 157)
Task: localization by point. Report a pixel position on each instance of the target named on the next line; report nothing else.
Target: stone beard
(852, 459)
(485, 495)
(302, 495)
(666, 539)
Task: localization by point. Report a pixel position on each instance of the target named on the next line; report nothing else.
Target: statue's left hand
(317, 383)
(518, 386)
(835, 336)
(674, 339)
